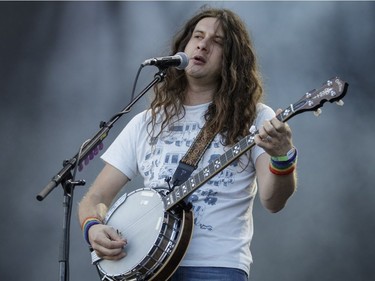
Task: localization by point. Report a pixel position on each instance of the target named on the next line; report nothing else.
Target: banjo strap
(190, 161)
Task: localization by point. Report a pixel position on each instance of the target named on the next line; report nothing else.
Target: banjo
(159, 226)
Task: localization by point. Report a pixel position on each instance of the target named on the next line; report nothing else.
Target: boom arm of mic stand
(64, 173)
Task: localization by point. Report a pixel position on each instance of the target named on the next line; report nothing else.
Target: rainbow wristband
(87, 224)
(284, 165)
(282, 172)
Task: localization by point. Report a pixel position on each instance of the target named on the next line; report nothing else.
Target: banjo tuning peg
(340, 102)
(317, 112)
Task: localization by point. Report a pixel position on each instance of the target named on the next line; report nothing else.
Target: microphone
(179, 60)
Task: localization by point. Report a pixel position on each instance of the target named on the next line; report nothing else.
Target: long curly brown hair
(233, 108)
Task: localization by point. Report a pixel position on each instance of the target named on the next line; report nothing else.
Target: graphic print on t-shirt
(162, 160)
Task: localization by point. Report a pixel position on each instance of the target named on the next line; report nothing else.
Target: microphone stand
(67, 181)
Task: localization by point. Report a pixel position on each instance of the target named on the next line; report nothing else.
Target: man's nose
(203, 44)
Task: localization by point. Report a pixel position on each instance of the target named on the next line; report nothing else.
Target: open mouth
(199, 59)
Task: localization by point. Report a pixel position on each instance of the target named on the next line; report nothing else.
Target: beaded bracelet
(284, 165)
(87, 224)
(291, 155)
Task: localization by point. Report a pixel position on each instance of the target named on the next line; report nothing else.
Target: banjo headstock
(333, 90)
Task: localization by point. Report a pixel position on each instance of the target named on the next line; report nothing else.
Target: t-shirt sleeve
(122, 152)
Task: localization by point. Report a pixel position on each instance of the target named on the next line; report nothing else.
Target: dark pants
(209, 274)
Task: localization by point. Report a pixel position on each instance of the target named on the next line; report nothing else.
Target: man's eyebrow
(198, 31)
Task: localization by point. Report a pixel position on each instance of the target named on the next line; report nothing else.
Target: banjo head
(138, 216)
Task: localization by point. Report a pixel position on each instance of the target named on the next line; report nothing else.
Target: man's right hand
(107, 242)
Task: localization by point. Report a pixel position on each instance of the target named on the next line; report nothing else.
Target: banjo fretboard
(333, 90)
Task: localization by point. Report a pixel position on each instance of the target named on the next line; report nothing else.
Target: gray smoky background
(66, 66)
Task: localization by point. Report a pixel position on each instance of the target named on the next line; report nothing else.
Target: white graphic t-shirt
(223, 223)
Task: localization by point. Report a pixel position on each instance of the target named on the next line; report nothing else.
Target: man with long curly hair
(221, 89)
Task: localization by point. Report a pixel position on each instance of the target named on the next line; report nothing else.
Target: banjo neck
(333, 90)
